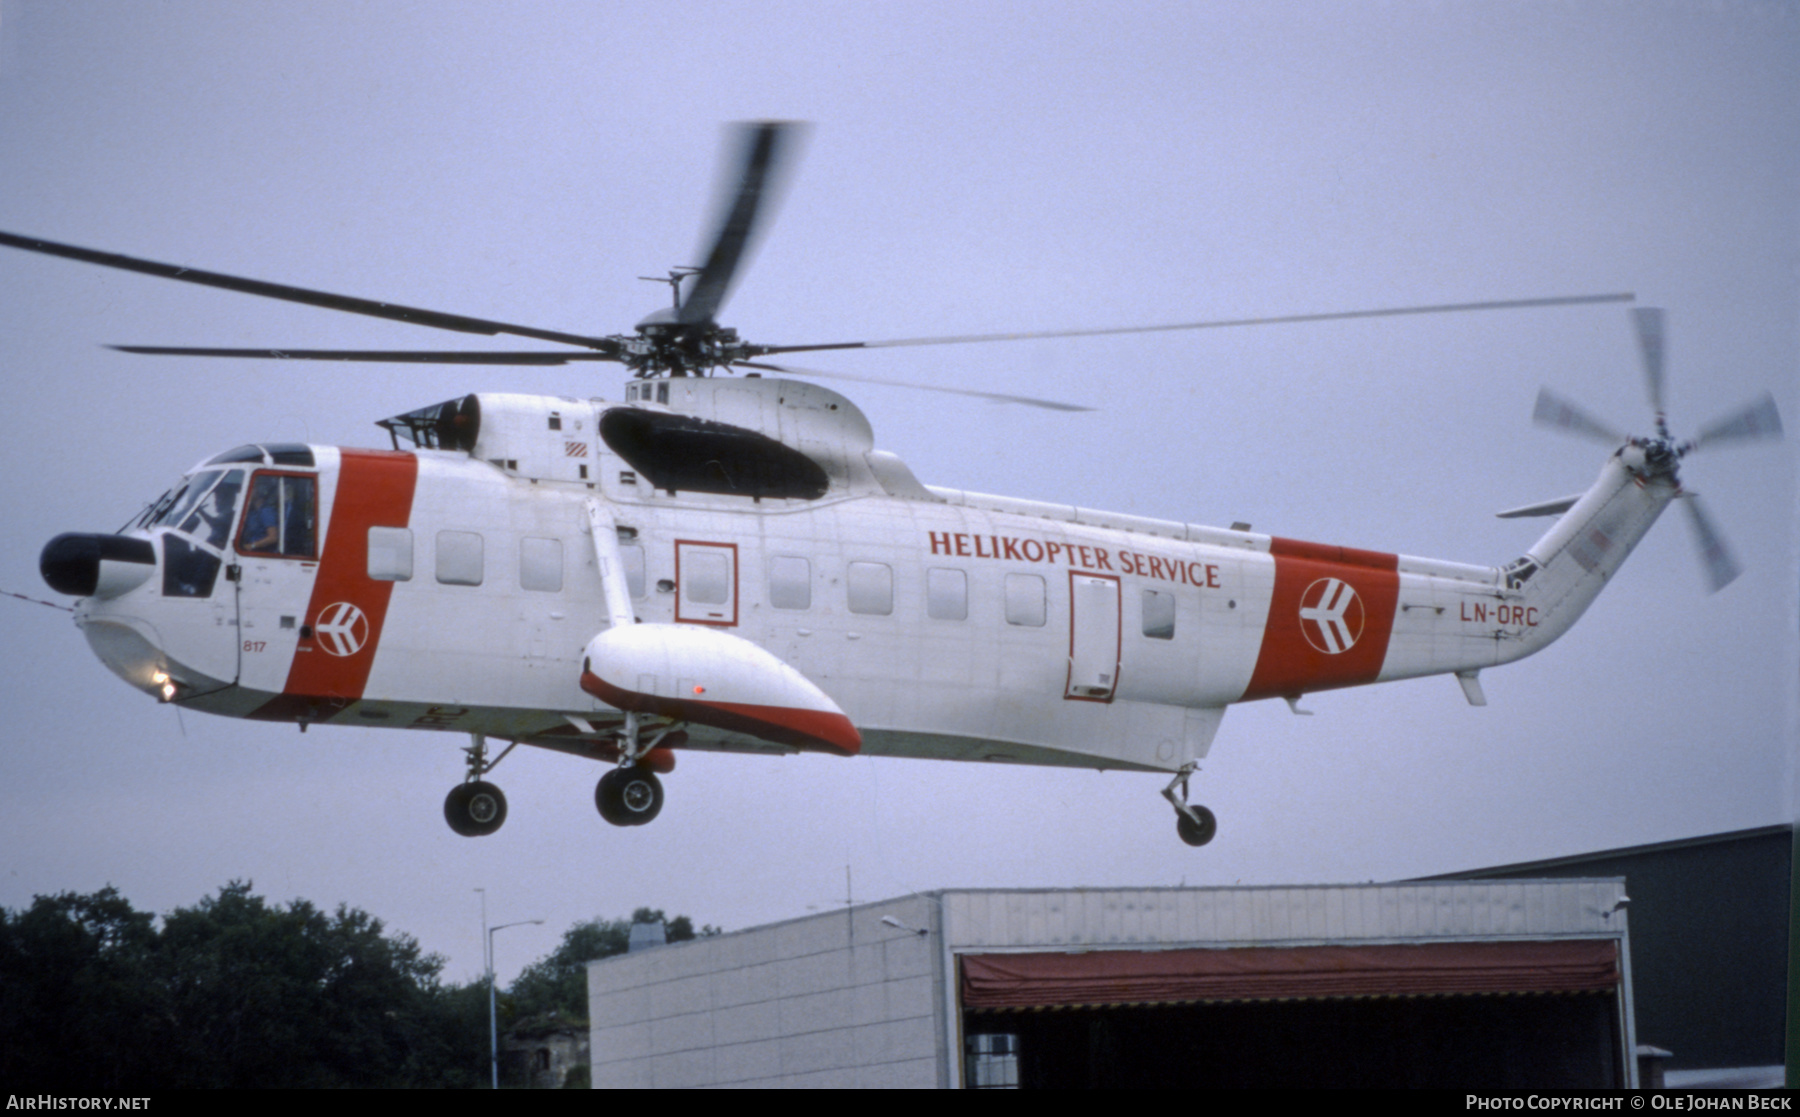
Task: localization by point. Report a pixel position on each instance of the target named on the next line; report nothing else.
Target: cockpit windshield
(201, 507)
(197, 516)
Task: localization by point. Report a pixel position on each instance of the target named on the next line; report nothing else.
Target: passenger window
(1025, 600)
(633, 556)
(459, 561)
(871, 588)
(706, 577)
(1159, 615)
(790, 582)
(390, 554)
(282, 517)
(541, 565)
(946, 594)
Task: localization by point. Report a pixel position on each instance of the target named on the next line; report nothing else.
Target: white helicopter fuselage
(463, 590)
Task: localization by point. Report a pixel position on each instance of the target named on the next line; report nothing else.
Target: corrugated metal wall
(1149, 917)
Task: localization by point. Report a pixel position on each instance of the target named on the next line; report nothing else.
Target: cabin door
(1093, 637)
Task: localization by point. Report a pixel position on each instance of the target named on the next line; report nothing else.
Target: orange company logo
(342, 629)
(1331, 616)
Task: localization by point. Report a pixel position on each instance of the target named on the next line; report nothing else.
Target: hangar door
(1452, 1015)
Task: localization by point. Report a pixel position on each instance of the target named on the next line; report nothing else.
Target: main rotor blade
(372, 308)
(1756, 420)
(762, 152)
(1286, 319)
(1721, 568)
(1649, 323)
(1028, 401)
(1554, 411)
(394, 356)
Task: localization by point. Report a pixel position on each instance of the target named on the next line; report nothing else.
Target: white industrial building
(1504, 984)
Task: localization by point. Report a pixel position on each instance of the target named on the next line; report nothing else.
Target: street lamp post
(493, 1018)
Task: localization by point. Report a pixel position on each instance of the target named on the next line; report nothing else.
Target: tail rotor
(1660, 456)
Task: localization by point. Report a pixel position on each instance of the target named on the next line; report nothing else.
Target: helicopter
(728, 563)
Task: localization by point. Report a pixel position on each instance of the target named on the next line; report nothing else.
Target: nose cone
(84, 565)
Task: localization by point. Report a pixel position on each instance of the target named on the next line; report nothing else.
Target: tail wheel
(475, 809)
(629, 796)
(1197, 833)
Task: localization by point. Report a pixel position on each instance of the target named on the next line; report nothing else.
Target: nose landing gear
(1194, 823)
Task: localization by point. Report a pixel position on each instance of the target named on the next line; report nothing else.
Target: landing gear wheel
(1197, 835)
(629, 796)
(475, 809)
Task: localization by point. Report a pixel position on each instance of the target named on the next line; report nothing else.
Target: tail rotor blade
(1721, 567)
(1554, 411)
(1754, 421)
(1649, 323)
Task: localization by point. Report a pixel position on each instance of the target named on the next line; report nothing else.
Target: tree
(78, 997)
(233, 991)
(237, 992)
(266, 995)
(556, 984)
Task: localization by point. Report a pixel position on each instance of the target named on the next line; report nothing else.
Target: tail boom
(1461, 625)
(1341, 618)
(1562, 573)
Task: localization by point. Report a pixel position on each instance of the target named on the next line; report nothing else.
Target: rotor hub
(1652, 457)
(665, 347)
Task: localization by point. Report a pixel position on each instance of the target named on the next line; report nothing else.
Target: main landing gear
(476, 808)
(1194, 823)
(631, 795)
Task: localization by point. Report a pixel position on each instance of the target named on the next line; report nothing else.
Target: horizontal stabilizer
(1545, 508)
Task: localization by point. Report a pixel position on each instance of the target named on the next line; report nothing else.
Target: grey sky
(973, 168)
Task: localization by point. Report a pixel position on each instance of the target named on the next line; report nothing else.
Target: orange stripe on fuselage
(374, 489)
(1343, 639)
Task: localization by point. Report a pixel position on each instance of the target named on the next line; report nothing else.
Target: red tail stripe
(1325, 552)
(1289, 664)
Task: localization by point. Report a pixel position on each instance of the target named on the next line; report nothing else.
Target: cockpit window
(197, 516)
(188, 571)
(282, 517)
(181, 499)
(276, 453)
(240, 454)
(202, 506)
(210, 522)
